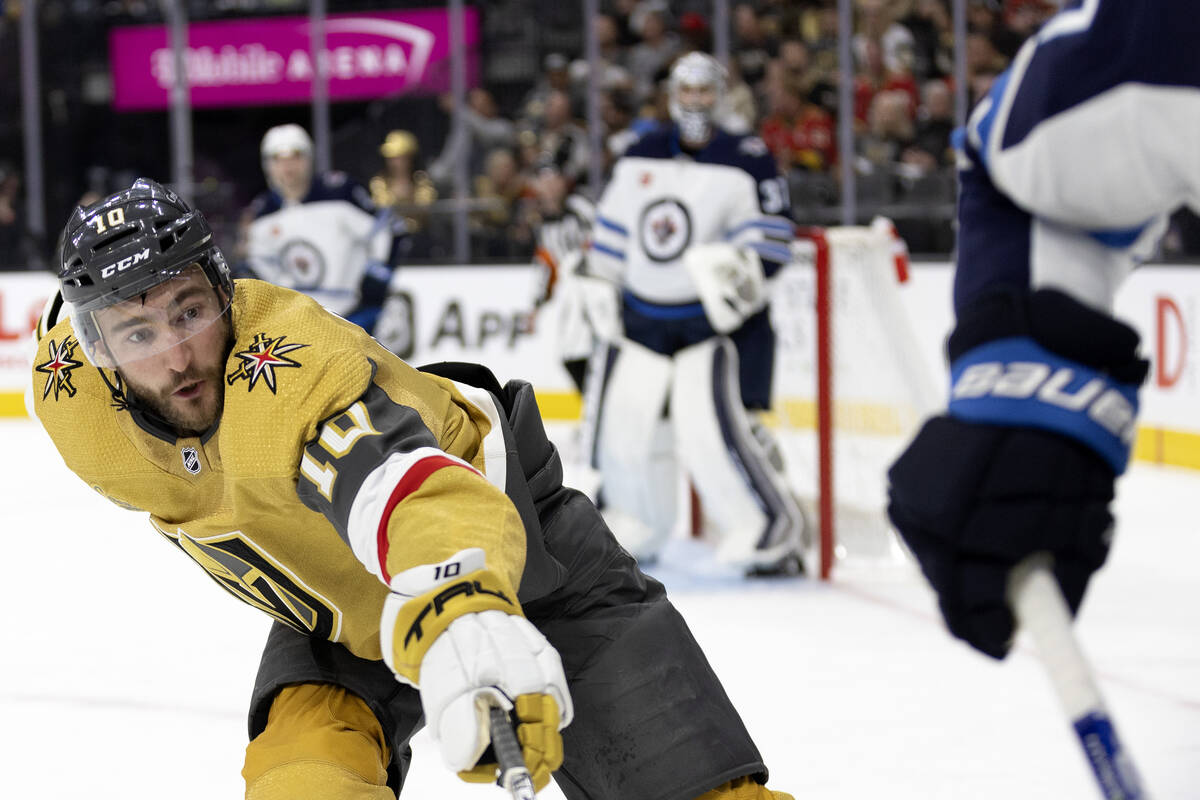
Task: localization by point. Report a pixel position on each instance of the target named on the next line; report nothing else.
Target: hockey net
(851, 385)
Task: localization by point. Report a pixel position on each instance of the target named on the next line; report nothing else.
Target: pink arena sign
(267, 61)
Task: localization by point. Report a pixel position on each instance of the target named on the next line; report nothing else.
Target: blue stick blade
(1113, 767)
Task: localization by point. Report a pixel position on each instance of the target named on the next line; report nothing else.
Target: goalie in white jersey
(692, 224)
(320, 233)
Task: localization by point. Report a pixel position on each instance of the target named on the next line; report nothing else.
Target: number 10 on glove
(456, 632)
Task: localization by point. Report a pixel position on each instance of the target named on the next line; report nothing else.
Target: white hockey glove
(456, 632)
(730, 283)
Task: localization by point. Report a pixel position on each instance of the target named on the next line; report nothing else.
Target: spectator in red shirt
(798, 133)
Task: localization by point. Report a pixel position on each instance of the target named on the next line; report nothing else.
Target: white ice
(125, 671)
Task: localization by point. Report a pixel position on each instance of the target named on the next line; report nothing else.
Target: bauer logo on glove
(1015, 381)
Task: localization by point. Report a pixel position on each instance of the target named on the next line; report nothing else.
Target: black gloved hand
(1042, 411)
(373, 289)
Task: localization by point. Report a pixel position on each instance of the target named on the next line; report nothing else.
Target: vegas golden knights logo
(261, 359)
(58, 368)
(255, 578)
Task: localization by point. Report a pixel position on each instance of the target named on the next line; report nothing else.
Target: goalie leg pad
(744, 491)
(320, 740)
(633, 449)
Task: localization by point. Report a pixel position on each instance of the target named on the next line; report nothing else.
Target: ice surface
(126, 672)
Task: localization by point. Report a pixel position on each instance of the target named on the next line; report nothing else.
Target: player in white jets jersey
(320, 234)
(693, 223)
(1067, 170)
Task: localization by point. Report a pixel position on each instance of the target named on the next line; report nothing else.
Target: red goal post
(851, 384)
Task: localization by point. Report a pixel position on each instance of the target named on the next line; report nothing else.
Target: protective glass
(166, 315)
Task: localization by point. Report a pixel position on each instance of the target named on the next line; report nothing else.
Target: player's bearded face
(183, 380)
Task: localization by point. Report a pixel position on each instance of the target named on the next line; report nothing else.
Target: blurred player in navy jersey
(1068, 170)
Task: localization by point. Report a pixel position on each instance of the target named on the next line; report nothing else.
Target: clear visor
(165, 316)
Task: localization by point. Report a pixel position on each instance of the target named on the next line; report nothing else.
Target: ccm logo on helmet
(1024, 380)
(125, 263)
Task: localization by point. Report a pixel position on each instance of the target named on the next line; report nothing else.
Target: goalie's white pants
(736, 472)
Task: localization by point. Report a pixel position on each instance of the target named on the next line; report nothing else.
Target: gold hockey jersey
(334, 465)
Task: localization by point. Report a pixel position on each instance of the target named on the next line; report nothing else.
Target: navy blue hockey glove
(1043, 405)
(373, 289)
(372, 292)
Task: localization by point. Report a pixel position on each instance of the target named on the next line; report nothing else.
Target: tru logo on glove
(437, 604)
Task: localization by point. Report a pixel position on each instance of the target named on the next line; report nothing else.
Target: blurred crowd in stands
(528, 115)
(783, 85)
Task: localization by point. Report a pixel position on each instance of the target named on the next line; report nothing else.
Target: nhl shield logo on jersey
(191, 460)
(665, 230)
(58, 368)
(260, 360)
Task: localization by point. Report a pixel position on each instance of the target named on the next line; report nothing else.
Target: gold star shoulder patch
(261, 359)
(58, 368)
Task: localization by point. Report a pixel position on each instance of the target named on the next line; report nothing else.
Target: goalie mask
(694, 92)
(117, 251)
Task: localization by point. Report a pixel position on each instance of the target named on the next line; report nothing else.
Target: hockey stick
(1041, 610)
(514, 776)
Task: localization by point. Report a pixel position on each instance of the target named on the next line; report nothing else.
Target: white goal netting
(879, 384)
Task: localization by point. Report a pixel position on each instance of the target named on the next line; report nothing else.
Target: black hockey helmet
(127, 244)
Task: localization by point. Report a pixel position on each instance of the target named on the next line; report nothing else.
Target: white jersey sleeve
(1089, 135)
(1084, 137)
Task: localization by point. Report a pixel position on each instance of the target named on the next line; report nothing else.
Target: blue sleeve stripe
(1118, 239)
(775, 252)
(605, 222)
(774, 225)
(608, 251)
(982, 127)
(1015, 382)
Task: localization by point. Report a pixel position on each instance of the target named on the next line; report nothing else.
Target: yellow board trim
(1162, 446)
(12, 404)
(1154, 445)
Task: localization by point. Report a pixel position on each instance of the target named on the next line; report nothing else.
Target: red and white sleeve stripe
(384, 489)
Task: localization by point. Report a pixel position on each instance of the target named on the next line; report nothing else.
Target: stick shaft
(1042, 612)
(514, 776)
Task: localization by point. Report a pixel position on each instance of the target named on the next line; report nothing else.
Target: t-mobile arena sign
(268, 61)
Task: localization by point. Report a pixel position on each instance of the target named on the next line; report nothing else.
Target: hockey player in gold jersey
(408, 531)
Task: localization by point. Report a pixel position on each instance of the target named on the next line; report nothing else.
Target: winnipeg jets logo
(665, 230)
(58, 368)
(261, 359)
(191, 460)
(302, 263)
